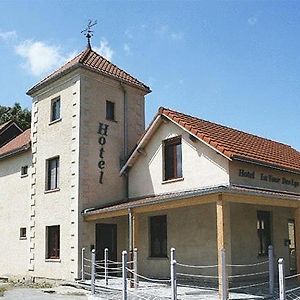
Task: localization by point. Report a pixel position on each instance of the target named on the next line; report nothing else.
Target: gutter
(15, 151)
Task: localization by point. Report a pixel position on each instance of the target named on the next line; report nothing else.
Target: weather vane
(88, 32)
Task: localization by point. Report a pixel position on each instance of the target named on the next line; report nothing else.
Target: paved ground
(60, 293)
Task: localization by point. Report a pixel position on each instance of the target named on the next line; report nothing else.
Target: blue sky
(232, 62)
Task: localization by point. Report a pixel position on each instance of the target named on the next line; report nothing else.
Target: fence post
(93, 271)
(271, 270)
(173, 275)
(124, 274)
(106, 266)
(281, 273)
(135, 268)
(82, 263)
(224, 289)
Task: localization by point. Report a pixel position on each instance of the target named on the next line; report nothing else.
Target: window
(52, 166)
(158, 236)
(23, 233)
(24, 171)
(173, 159)
(55, 109)
(264, 231)
(110, 111)
(53, 241)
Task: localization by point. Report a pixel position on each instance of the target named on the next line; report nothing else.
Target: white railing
(292, 292)
(122, 277)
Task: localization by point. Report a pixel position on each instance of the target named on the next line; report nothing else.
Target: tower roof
(93, 61)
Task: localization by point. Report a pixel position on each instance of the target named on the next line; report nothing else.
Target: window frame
(49, 253)
(110, 115)
(168, 143)
(24, 174)
(48, 174)
(54, 119)
(264, 234)
(22, 235)
(162, 236)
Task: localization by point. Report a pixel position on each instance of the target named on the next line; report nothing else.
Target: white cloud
(8, 35)
(105, 50)
(127, 49)
(252, 21)
(40, 58)
(165, 32)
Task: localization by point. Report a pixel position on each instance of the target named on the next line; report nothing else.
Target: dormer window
(55, 109)
(172, 158)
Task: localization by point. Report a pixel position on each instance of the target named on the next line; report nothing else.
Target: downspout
(125, 136)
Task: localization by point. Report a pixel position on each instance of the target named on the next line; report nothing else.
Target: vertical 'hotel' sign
(102, 131)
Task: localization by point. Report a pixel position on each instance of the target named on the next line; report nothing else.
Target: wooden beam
(176, 204)
(223, 244)
(260, 200)
(105, 215)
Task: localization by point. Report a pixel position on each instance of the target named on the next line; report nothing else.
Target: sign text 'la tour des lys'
(102, 131)
(269, 178)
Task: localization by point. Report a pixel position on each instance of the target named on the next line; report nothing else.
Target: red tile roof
(95, 62)
(19, 143)
(236, 144)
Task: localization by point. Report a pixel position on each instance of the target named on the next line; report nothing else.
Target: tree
(22, 116)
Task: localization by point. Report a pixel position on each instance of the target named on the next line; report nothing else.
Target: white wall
(14, 214)
(201, 166)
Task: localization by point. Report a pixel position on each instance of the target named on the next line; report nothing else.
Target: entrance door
(106, 237)
(292, 246)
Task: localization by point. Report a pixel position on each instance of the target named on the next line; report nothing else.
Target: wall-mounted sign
(102, 131)
(269, 178)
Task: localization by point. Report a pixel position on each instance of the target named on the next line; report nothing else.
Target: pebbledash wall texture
(88, 160)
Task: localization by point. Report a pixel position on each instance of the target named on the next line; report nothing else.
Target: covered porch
(199, 224)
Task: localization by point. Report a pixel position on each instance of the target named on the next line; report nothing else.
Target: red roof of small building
(95, 62)
(19, 143)
(236, 144)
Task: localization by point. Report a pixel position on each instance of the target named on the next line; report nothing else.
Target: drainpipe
(125, 135)
(130, 238)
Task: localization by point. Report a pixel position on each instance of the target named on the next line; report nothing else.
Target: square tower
(86, 118)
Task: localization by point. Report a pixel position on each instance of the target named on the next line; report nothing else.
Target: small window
(23, 233)
(52, 167)
(55, 109)
(158, 236)
(53, 241)
(24, 171)
(110, 111)
(173, 159)
(264, 231)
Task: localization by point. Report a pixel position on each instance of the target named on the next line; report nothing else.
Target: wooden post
(223, 245)
(297, 235)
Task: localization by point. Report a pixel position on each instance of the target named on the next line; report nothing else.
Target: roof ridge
(227, 127)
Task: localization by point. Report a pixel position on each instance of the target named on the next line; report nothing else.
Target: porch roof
(290, 199)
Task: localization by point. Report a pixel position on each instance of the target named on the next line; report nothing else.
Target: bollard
(224, 275)
(106, 266)
(135, 268)
(82, 263)
(281, 273)
(173, 275)
(271, 270)
(124, 275)
(93, 271)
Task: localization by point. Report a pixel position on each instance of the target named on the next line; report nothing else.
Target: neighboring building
(92, 177)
